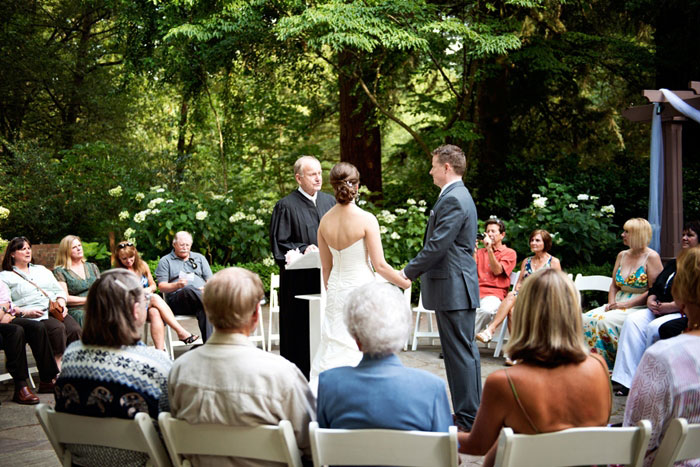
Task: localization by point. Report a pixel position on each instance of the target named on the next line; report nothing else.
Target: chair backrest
(601, 283)
(133, 435)
(681, 441)
(383, 447)
(575, 446)
(274, 297)
(514, 278)
(266, 442)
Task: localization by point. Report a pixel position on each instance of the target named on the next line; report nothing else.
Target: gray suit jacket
(447, 268)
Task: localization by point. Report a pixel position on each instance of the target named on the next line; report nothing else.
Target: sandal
(484, 336)
(190, 340)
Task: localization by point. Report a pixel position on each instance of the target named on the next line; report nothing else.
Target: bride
(350, 246)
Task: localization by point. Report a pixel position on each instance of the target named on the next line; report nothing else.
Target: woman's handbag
(55, 308)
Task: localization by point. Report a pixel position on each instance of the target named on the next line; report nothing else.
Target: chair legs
(501, 337)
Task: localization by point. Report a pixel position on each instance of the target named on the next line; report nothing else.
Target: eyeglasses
(123, 245)
(192, 263)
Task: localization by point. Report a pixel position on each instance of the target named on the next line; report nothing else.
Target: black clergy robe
(294, 224)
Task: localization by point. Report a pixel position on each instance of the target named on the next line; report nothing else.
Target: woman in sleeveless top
(555, 371)
(159, 313)
(74, 274)
(350, 248)
(540, 244)
(634, 272)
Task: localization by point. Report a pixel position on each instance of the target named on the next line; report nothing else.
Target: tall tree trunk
(360, 136)
(181, 140)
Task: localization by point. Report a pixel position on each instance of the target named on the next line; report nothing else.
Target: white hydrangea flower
(155, 211)
(539, 202)
(422, 203)
(609, 210)
(4, 212)
(160, 190)
(124, 215)
(573, 206)
(583, 197)
(141, 216)
(201, 215)
(395, 236)
(217, 197)
(411, 201)
(383, 229)
(422, 208)
(400, 211)
(169, 201)
(115, 192)
(536, 196)
(268, 262)
(139, 196)
(228, 201)
(239, 216)
(362, 202)
(251, 217)
(259, 222)
(593, 198)
(129, 233)
(154, 202)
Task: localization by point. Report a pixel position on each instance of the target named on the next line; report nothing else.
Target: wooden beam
(654, 95)
(695, 86)
(643, 113)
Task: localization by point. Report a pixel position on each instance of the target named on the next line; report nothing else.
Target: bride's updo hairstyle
(345, 180)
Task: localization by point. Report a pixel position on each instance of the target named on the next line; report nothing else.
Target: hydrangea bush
(581, 230)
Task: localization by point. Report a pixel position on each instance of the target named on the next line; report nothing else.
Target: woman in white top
(30, 302)
(351, 250)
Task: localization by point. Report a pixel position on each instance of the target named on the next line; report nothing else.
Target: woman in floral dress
(635, 270)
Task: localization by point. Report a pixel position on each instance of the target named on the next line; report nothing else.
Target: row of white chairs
(276, 443)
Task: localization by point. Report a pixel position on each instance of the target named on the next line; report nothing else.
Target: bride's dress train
(351, 269)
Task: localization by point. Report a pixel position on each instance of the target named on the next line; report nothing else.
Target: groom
(449, 283)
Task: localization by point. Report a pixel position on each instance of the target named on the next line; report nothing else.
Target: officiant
(294, 225)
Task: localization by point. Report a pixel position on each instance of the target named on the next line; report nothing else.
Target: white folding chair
(681, 442)
(133, 435)
(504, 325)
(575, 446)
(274, 443)
(417, 333)
(274, 309)
(601, 283)
(32, 369)
(383, 447)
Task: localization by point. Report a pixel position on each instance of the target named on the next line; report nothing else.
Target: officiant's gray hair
(378, 316)
(301, 162)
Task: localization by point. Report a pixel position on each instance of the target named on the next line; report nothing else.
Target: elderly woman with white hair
(380, 392)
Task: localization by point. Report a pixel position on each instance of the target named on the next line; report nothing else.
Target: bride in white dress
(350, 246)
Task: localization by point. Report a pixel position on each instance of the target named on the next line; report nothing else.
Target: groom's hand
(403, 274)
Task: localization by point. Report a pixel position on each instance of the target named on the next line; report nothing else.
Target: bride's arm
(326, 258)
(376, 254)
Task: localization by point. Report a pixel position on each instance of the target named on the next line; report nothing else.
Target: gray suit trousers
(462, 363)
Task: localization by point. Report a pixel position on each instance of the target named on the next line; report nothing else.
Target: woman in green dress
(74, 274)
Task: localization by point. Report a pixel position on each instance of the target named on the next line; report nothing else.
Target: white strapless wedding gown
(351, 269)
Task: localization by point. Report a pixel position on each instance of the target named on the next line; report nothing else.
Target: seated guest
(228, 380)
(15, 333)
(32, 287)
(635, 271)
(666, 384)
(380, 392)
(494, 263)
(111, 373)
(540, 244)
(126, 256)
(641, 329)
(554, 372)
(181, 276)
(74, 274)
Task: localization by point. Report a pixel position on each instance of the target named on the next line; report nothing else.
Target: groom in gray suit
(449, 281)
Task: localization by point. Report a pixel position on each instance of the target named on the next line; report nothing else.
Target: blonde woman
(74, 274)
(635, 271)
(126, 256)
(555, 371)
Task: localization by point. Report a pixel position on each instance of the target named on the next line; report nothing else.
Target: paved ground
(22, 441)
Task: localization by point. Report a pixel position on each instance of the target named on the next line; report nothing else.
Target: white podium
(317, 302)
